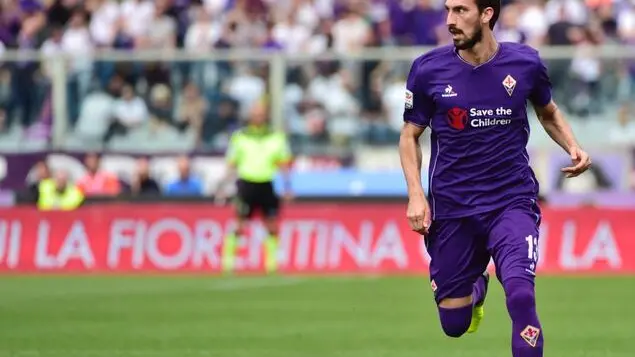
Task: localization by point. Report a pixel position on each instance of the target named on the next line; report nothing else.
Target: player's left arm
(555, 124)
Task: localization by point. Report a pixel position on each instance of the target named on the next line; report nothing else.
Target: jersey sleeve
(541, 92)
(284, 152)
(419, 106)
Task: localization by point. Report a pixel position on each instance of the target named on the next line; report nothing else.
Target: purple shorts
(461, 248)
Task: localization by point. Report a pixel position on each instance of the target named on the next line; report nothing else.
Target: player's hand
(419, 214)
(288, 196)
(580, 160)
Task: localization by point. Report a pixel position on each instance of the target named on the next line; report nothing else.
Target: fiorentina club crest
(530, 335)
(510, 84)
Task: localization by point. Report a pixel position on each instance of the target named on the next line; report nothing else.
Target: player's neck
(482, 51)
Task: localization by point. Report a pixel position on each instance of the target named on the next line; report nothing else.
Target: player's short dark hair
(494, 4)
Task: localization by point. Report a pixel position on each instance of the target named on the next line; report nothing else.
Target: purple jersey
(478, 118)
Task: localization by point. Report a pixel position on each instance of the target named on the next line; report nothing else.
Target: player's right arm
(411, 158)
(419, 108)
(554, 122)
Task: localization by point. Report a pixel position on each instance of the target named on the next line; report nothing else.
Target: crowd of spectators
(100, 183)
(325, 102)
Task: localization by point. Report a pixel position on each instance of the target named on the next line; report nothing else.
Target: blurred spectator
(533, 21)
(59, 193)
(269, 41)
(59, 12)
(186, 184)
(321, 39)
(223, 120)
(246, 87)
(392, 98)
(586, 71)
(624, 132)
(290, 34)
(136, 20)
(52, 47)
(384, 36)
(507, 29)
(32, 192)
(156, 73)
(160, 107)
(105, 22)
(425, 22)
(215, 7)
(247, 21)
(23, 75)
(96, 111)
(203, 33)
(608, 23)
(129, 112)
(334, 89)
(160, 32)
(192, 110)
(5, 98)
(142, 183)
(77, 44)
(626, 22)
(98, 182)
(351, 32)
(575, 10)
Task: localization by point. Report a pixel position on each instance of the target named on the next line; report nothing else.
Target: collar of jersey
(253, 130)
(492, 58)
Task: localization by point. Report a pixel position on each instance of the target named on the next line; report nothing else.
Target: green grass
(293, 317)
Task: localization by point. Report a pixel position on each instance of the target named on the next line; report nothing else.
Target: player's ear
(487, 15)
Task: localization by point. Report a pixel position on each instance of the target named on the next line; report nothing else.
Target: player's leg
(458, 258)
(244, 212)
(513, 242)
(270, 209)
(478, 301)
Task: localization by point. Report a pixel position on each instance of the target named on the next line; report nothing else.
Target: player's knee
(455, 315)
(455, 330)
(455, 322)
(519, 294)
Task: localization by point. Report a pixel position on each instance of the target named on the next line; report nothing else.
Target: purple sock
(455, 322)
(478, 294)
(527, 336)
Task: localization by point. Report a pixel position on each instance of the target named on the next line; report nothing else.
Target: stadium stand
(177, 76)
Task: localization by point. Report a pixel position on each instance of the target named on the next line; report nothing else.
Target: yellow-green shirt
(257, 153)
(51, 199)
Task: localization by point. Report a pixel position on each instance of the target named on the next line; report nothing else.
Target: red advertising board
(314, 238)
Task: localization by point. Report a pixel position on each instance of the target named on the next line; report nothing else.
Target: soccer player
(255, 154)
(482, 191)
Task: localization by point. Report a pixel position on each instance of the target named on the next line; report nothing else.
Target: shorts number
(532, 248)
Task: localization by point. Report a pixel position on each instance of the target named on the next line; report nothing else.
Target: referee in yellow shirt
(255, 155)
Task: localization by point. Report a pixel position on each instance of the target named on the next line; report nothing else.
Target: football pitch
(187, 316)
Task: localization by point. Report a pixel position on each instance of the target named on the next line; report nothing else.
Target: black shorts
(252, 196)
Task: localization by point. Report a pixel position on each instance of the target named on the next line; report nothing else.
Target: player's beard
(469, 42)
